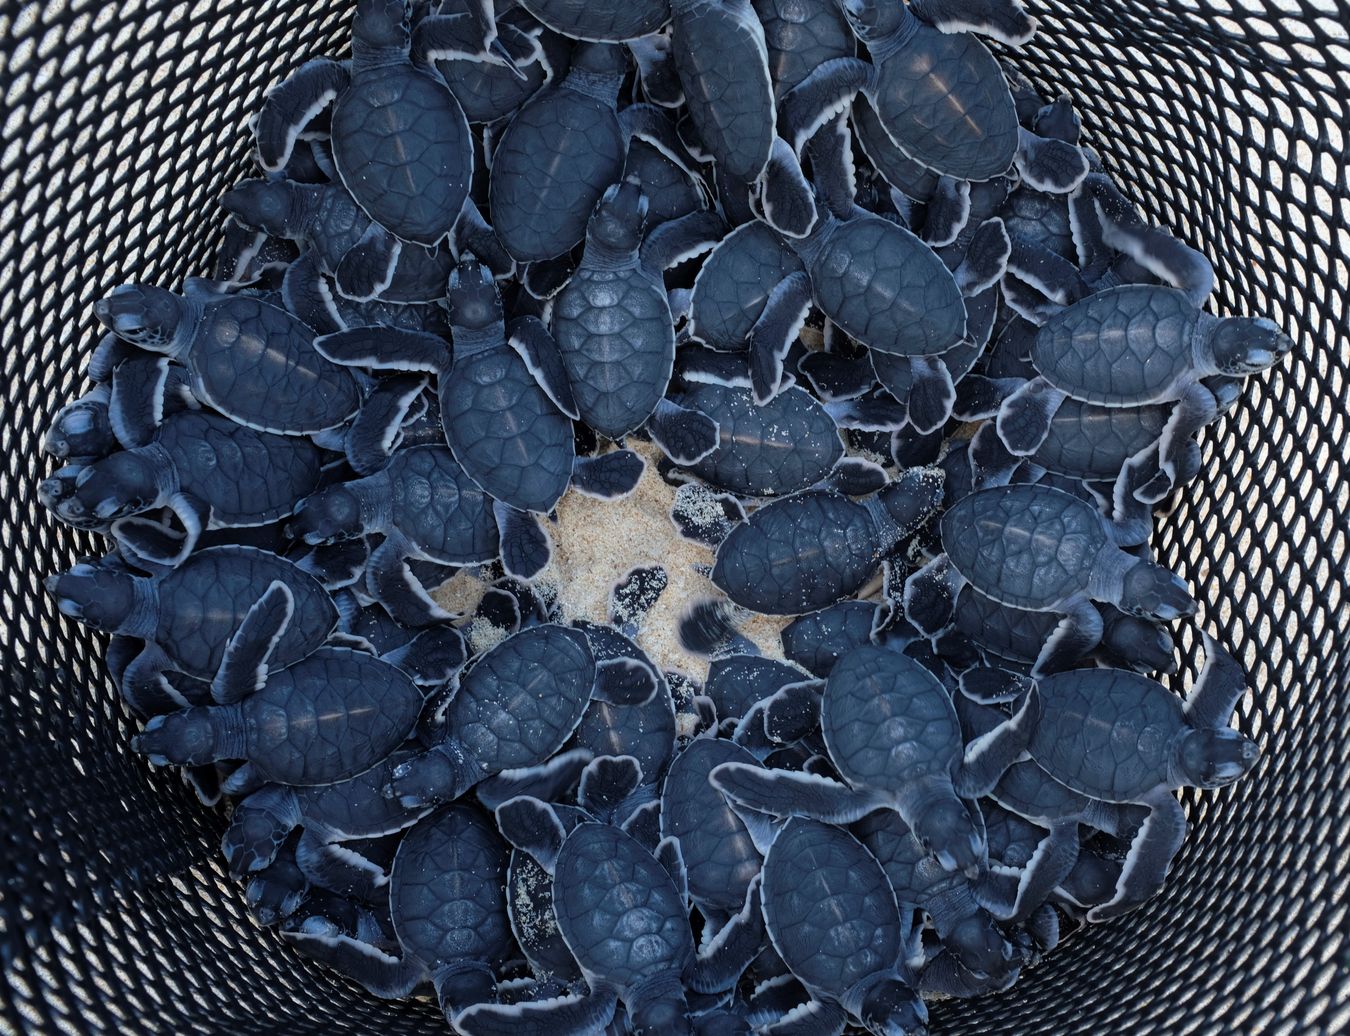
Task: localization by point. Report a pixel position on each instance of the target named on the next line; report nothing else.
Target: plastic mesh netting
(122, 124)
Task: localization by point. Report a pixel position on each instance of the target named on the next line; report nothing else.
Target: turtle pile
(915, 373)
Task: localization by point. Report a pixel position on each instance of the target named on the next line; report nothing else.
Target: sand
(596, 543)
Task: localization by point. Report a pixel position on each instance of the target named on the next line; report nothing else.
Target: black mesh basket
(124, 121)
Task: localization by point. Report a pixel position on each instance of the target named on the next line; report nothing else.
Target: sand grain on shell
(596, 543)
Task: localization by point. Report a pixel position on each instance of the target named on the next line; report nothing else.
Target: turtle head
(382, 24)
(619, 218)
(1153, 592)
(892, 1008)
(119, 485)
(332, 514)
(875, 19)
(102, 597)
(81, 429)
(1210, 758)
(946, 830)
(982, 949)
(600, 59)
(143, 315)
(472, 296)
(267, 205)
(184, 738)
(1241, 345)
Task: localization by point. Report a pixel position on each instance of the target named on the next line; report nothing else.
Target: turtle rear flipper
(774, 332)
(685, 436)
(793, 712)
(390, 580)
(723, 959)
(539, 351)
(1024, 418)
(1049, 166)
(930, 595)
(854, 476)
(306, 295)
(946, 212)
(932, 394)
(136, 405)
(243, 669)
(785, 793)
(609, 476)
(1051, 862)
(368, 267)
(380, 973)
(292, 104)
(432, 657)
(606, 782)
(1004, 20)
(532, 826)
(1150, 856)
(835, 377)
(331, 865)
(525, 546)
(374, 433)
(576, 1015)
(1077, 633)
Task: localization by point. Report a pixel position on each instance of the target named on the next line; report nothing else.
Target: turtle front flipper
(243, 669)
(1219, 687)
(1046, 271)
(991, 463)
(774, 332)
(144, 685)
(786, 198)
(1004, 20)
(1049, 166)
(946, 211)
(368, 267)
(331, 865)
(812, 1018)
(390, 580)
(380, 972)
(431, 658)
(793, 711)
(785, 793)
(474, 236)
(987, 757)
(1158, 252)
(525, 546)
(932, 394)
(374, 433)
(1049, 865)
(1024, 418)
(136, 404)
(1149, 858)
(385, 348)
(157, 543)
(815, 100)
(1178, 453)
(307, 296)
(292, 104)
(534, 827)
(546, 782)
(576, 1015)
(685, 436)
(1077, 633)
(724, 957)
(539, 350)
(930, 595)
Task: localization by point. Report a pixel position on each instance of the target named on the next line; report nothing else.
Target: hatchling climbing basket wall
(123, 122)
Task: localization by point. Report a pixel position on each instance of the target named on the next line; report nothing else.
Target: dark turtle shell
(734, 283)
(1040, 217)
(555, 159)
(829, 908)
(1027, 790)
(329, 716)
(440, 508)
(1094, 442)
(945, 102)
(587, 20)
(1120, 347)
(447, 892)
(505, 431)
(913, 872)
(771, 449)
(719, 53)
(1106, 733)
(488, 91)
(256, 363)
(358, 807)
(618, 908)
(203, 601)
(720, 857)
(884, 287)
(402, 147)
(617, 342)
(887, 720)
(520, 701)
(907, 176)
(1008, 632)
(799, 554)
(669, 189)
(736, 682)
(1024, 545)
(801, 35)
(817, 641)
(248, 477)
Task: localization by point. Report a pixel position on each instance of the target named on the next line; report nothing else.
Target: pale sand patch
(598, 542)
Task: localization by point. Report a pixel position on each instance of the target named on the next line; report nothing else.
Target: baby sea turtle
(809, 550)
(980, 957)
(734, 285)
(382, 106)
(187, 615)
(327, 717)
(557, 155)
(936, 89)
(721, 855)
(330, 814)
(425, 507)
(1136, 345)
(211, 472)
(1120, 737)
(833, 919)
(613, 325)
(893, 735)
(625, 919)
(250, 360)
(502, 410)
(1040, 549)
(515, 707)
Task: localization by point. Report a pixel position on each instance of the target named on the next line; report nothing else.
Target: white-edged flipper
(331, 865)
(870, 414)
(946, 212)
(1217, 690)
(532, 826)
(576, 1015)
(1006, 21)
(855, 476)
(930, 595)
(703, 516)
(368, 267)
(610, 476)
(291, 105)
(834, 377)
(624, 681)
(525, 545)
(1024, 419)
(819, 97)
(656, 70)
(539, 350)
(381, 973)
(634, 596)
(723, 959)
(833, 173)
(1150, 856)
(432, 657)
(385, 348)
(545, 782)
(793, 711)
(1050, 864)
(932, 395)
(813, 1018)
(685, 436)
(1049, 166)
(774, 332)
(1077, 633)
(986, 258)
(136, 402)
(679, 240)
(991, 463)
(375, 432)
(708, 629)
(787, 793)
(988, 756)
(390, 580)
(243, 669)
(1162, 255)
